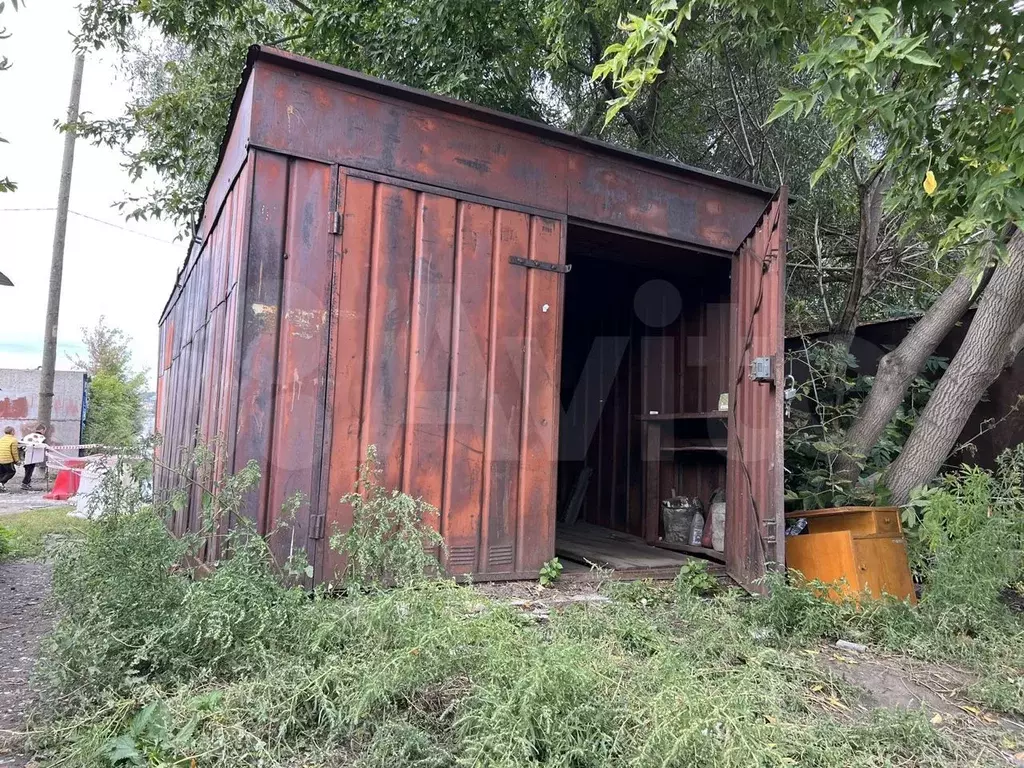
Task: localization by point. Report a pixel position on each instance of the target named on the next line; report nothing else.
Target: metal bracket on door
(519, 261)
(317, 524)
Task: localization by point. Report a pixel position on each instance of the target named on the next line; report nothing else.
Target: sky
(121, 270)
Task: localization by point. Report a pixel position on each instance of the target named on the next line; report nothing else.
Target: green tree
(482, 52)
(6, 185)
(114, 415)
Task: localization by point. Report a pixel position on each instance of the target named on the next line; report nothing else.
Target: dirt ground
(16, 500)
(896, 682)
(24, 620)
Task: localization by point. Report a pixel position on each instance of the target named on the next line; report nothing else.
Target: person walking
(8, 457)
(34, 444)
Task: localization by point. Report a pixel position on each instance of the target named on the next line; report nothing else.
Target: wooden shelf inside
(704, 415)
(710, 554)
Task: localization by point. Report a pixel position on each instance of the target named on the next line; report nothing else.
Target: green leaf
(922, 58)
(877, 24)
(121, 749)
(783, 106)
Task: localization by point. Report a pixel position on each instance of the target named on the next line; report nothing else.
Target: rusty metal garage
(377, 265)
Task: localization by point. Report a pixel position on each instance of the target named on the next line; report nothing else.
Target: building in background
(19, 403)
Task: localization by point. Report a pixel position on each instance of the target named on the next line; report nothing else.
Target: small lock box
(761, 369)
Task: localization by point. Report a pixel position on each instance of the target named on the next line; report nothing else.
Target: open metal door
(755, 535)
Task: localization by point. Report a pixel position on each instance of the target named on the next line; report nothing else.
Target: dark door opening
(645, 353)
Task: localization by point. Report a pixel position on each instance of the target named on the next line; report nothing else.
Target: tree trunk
(872, 195)
(976, 365)
(897, 369)
(1016, 345)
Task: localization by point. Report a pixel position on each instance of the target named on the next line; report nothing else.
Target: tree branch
(302, 6)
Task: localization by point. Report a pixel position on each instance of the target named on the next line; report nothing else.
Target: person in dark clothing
(8, 456)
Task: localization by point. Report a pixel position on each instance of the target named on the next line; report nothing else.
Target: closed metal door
(444, 356)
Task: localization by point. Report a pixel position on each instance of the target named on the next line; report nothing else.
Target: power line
(92, 218)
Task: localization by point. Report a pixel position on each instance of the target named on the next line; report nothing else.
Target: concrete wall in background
(19, 403)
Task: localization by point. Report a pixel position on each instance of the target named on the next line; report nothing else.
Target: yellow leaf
(930, 184)
(937, 719)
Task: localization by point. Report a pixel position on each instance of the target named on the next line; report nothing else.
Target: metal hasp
(421, 311)
(520, 261)
(761, 369)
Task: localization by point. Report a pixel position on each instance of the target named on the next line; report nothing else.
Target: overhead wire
(97, 220)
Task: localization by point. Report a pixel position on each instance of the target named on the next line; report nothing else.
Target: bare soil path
(25, 618)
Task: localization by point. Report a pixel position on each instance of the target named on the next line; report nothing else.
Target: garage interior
(645, 346)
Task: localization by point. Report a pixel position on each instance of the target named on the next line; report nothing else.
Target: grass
(150, 667)
(26, 532)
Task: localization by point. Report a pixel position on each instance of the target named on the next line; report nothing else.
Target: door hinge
(317, 523)
(519, 261)
(337, 225)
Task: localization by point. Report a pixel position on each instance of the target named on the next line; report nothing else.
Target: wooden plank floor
(586, 543)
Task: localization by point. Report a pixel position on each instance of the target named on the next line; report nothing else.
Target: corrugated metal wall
(198, 362)
(410, 331)
(284, 342)
(446, 359)
(754, 525)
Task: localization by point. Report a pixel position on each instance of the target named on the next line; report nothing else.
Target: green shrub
(694, 579)
(6, 542)
(966, 537)
(390, 542)
(550, 572)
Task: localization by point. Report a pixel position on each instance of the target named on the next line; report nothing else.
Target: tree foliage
(6, 185)
(929, 92)
(934, 93)
(114, 415)
(484, 53)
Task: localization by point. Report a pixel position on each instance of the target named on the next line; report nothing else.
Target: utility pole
(57, 263)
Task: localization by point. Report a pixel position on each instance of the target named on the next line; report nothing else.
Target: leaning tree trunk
(976, 365)
(897, 369)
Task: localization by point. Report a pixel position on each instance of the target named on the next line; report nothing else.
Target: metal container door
(754, 538)
(445, 338)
